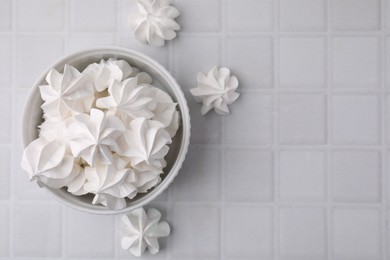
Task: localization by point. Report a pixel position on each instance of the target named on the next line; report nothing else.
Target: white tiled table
(299, 170)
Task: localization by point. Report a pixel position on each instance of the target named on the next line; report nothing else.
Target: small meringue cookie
(165, 111)
(76, 185)
(128, 100)
(141, 230)
(155, 22)
(67, 94)
(148, 175)
(54, 129)
(93, 137)
(45, 160)
(146, 141)
(110, 183)
(105, 72)
(216, 91)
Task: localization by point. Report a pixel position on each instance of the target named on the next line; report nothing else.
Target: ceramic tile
(4, 227)
(5, 174)
(255, 224)
(37, 230)
(35, 54)
(302, 175)
(19, 106)
(355, 119)
(356, 176)
(199, 16)
(249, 175)
(258, 52)
(198, 238)
(249, 15)
(254, 127)
(294, 15)
(200, 177)
(302, 62)
(356, 234)
(5, 116)
(303, 233)
(79, 229)
(6, 61)
(40, 15)
(101, 19)
(5, 15)
(77, 43)
(302, 119)
(359, 15)
(355, 71)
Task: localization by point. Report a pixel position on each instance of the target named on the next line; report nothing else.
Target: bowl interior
(162, 79)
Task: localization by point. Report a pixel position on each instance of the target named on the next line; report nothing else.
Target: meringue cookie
(76, 185)
(110, 183)
(165, 111)
(155, 22)
(67, 94)
(45, 160)
(148, 175)
(146, 141)
(54, 129)
(128, 100)
(93, 136)
(105, 72)
(141, 230)
(216, 91)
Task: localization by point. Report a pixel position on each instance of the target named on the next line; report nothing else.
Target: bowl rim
(185, 124)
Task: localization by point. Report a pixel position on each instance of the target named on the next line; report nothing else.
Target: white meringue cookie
(105, 72)
(76, 185)
(216, 91)
(141, 230)
(165, 111)
(110, 183)
(54, 129)
(146, 141)
(67, 94)
(128, 100)
(93, 136)
(148, 175)
(155, 22)
(45, 160)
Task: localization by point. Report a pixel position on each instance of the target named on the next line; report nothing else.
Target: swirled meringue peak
(105, 73)
(155, 22)
(146, 141)
(66, 94)
(93, 137)
(216, 91)
(49, 163)
(128, 100)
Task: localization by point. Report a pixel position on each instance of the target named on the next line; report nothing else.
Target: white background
(299, 170)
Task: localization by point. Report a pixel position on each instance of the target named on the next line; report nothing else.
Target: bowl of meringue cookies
(105, 130)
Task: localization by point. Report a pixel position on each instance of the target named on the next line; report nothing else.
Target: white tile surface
(303, 233)
(44, 15)
(355, 119)
(356, 14)
(356, 234)
(294, 15)
(37, 229)
(302, 119)
(302, 62)
(302, 175)
(251, 179)
(356, 176)
(295, 172)
(350, 70)
(256, 223)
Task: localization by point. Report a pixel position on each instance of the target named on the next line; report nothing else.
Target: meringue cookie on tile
(45, 160)
(93, 137)
(216, 91)
(146, 141)
(110, 183)
(141, 230)
(165, 111)
(105, 72)
(128, 100)
(67, 94)
(155, 22)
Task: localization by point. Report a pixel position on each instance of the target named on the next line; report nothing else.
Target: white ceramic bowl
(33, 117)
